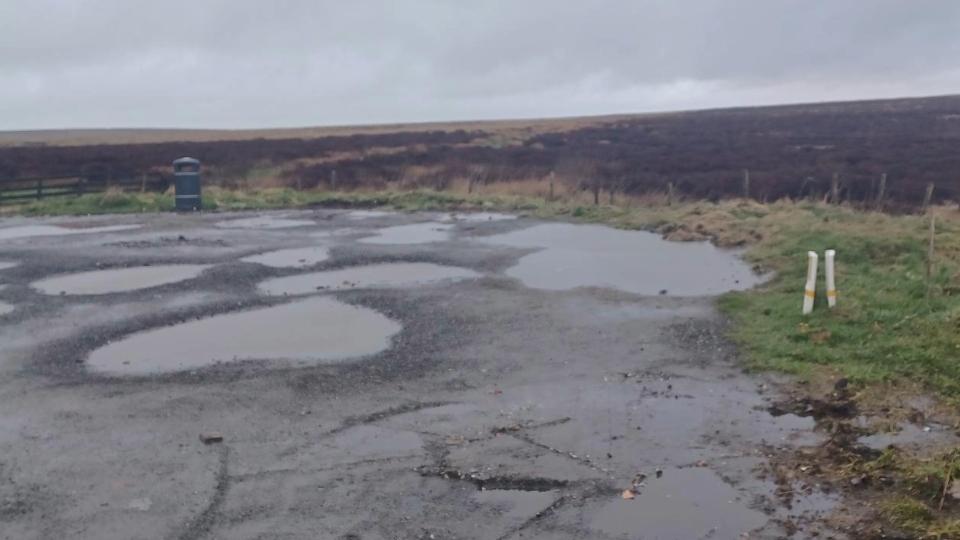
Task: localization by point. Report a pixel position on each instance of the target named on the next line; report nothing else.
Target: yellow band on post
(832, 294)
(809, 293)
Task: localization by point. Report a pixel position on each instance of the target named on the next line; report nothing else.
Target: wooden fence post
(882, 191)
(333, 180)
(39, 189)
(746, 184)
(596, 192)
(835, 189)
(926, 197)
(613, 190)
(670, 194)
(551, 185)
(470, 185)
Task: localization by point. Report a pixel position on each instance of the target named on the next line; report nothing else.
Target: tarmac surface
(368, 375)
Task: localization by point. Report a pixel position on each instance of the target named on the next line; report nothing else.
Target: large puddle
(417, 233)
(6, 265)
(682, 504)
(290, 258)
(264, 222)
(363, 277)
(516, 506)
(319, 330)
(30, 231)
(633, 261)
(369, 214)
(118, 279)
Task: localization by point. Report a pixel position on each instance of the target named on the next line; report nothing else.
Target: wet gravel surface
(499, 411)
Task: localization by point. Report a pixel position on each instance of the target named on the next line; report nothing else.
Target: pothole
(5, 308)
(118, 279)
(336, 233)
(417, 233)
(264, 222)
(517, 505)
(633, 261)
(5, 265)
(389, 275)
(315, 331)
(290, 258)
(682, 503)
(30, 231)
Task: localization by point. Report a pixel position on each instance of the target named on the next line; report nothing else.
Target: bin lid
(186, 161)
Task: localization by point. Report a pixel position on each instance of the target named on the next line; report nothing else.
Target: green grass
(891, 322)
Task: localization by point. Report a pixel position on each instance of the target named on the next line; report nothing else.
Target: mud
(32, 231)
(469, 408)
(118, 279)
(366, 277)
(416, 233)
(571, 256)
(310, 331)
(476, 216)
(290, 258)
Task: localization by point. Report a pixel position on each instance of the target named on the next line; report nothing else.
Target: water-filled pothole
(681, 504)
(30, 231)
(5, 308)
(118, 279)
(634, 261)
(5, 265)
(290, 258)
(364, 277)
(417, 233)
(319, 330)
(264, 222)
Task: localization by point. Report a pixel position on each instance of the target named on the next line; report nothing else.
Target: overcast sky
(267, 63)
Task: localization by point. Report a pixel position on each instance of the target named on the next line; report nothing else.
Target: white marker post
(831, 278)
(809, 292)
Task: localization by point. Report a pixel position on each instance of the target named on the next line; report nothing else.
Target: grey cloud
(250, 63)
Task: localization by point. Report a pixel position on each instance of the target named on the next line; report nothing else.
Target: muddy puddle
(474, 217)
(573, 256)
(516, 506)
(319, 330)
(30, 231)
(369, 214)
(5, 308)
(7, 265)
(118, 279)
(364, 277)
(264, 222)
(682, 504)
(911, 435)
(290, 258)
(417, 233)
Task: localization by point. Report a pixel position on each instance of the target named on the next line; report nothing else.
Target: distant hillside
(790, 151)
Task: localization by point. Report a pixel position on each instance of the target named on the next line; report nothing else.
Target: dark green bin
(186, 184)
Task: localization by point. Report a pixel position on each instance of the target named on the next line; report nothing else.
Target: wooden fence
(14, 190)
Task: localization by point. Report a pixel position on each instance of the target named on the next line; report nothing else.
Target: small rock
(659, 473)
(181, 238)
(663, 292)
(211, 437)
(628, 494)
(703, 463)
(927, 429)
(841, 384)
